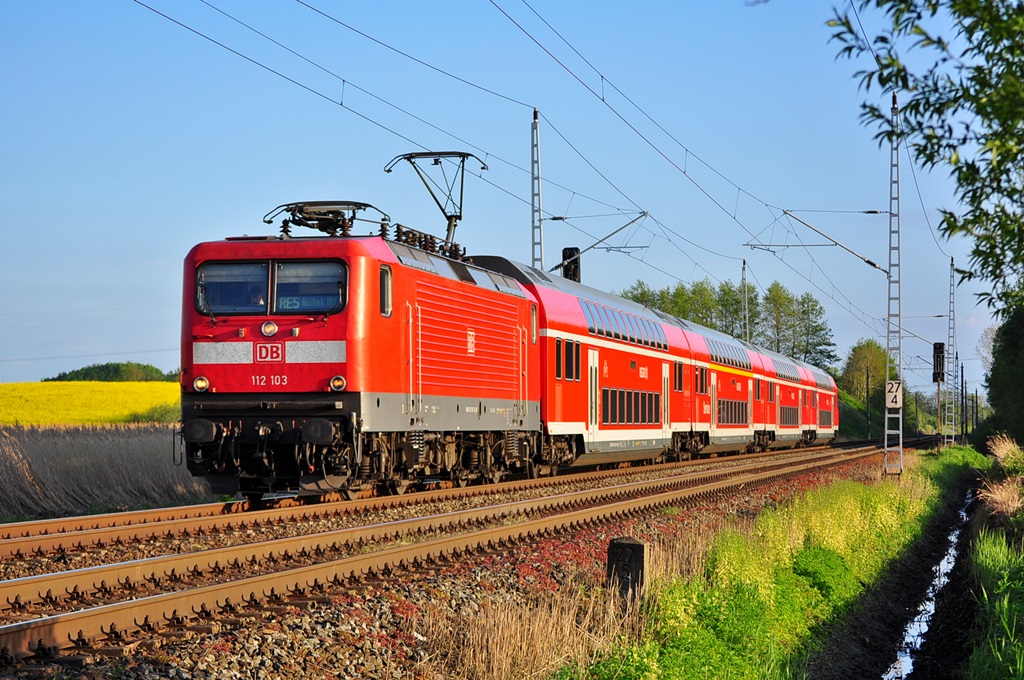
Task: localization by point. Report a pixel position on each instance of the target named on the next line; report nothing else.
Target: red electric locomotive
(349, 363)
(344, 362)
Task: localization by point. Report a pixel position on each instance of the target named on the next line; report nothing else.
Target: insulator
(383, 229)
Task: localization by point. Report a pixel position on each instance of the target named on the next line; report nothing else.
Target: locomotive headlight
(269, 328)
(338, 383)
(201, 384)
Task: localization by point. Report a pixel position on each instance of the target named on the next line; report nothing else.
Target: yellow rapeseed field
(86, 403)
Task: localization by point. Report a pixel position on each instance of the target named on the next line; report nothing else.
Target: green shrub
(827, 572)
(161, 413)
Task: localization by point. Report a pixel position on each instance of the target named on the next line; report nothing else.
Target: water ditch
(913, 634)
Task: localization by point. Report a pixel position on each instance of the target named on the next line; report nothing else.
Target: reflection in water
(913, 635)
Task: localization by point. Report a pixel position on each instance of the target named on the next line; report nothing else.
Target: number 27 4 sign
(894, 394)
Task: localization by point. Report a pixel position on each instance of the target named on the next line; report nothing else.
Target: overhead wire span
(412, 58)
(361, 89)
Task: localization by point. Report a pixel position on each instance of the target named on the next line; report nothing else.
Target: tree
(729, 305)
(702, 303)
(642, 294)
(128, 371)
(961, 111)
(778, 319)
(1007, 374)
(986, 342)
(863, 373)
(813, 337)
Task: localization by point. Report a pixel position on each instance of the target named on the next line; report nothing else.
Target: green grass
(999, 574)
(753, 611)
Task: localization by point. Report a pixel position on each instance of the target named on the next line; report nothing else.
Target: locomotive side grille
(473, 342)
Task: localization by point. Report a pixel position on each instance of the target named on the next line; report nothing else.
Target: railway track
(39, 539)
(74, 616)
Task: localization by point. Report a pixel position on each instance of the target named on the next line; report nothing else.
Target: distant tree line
(127, 371)
(779, 320)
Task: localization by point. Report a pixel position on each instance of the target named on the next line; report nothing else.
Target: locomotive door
(593, 397)
(414, 396)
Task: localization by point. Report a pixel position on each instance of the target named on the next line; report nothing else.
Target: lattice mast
(746, 309)
(537, 260)
(893, 459)
(949, 426)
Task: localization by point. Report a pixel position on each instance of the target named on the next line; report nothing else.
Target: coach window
(598, 319)
(631, 329)
(572, 360)
(579, 370)
(648, 333)
(385, 290)
(558, 358)
(771, 392)
(605, 406)
(591, 324)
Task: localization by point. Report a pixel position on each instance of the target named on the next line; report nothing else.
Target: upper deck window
(286, 287)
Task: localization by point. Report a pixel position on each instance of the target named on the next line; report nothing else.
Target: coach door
(666, 392)
(593, 397)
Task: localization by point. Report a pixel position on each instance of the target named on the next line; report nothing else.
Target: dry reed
(1004, 498)
(1003, 447)
(532, 637)
(54, 471)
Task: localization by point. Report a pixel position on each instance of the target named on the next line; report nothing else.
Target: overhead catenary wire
(663, 154)
(732, 213)
(489, 155)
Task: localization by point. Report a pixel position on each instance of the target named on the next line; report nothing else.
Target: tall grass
(73, 470)
(999, 574)
(998, 568)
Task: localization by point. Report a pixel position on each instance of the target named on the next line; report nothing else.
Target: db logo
(269, 352)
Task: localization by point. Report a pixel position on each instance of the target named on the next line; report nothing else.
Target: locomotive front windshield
(292, 287)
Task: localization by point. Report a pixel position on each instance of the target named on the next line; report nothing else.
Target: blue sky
(127, 138)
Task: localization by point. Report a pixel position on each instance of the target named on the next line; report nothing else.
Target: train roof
(722, 347)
